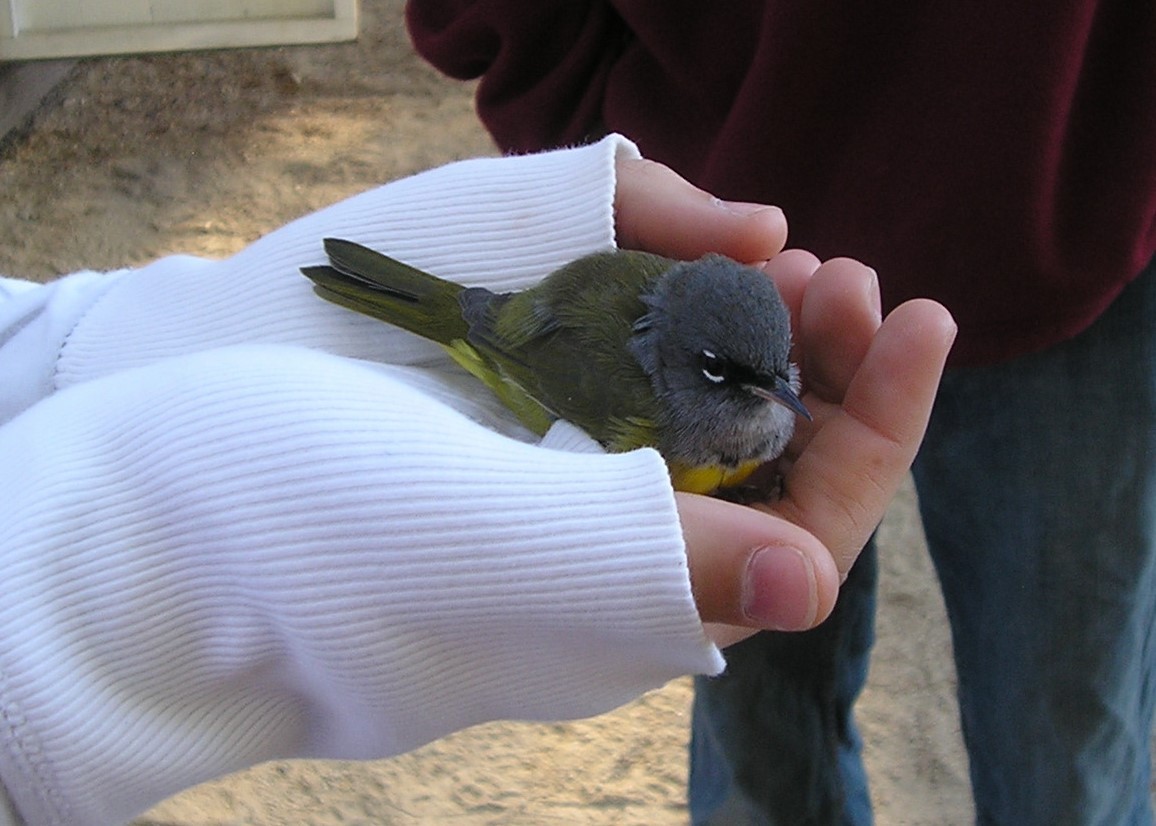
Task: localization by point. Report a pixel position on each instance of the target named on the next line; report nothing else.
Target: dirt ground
(133, 158)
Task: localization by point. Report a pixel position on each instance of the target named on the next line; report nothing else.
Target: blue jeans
(1037, 487)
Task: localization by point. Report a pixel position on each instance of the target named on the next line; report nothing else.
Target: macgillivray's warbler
(638, 350)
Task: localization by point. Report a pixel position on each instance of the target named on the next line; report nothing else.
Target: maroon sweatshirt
(997, 156)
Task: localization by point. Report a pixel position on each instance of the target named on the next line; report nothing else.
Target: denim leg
(773, 740)
(1037, 486)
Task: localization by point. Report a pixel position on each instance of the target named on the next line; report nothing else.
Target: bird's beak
(781, 393)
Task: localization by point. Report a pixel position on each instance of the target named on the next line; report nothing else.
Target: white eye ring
(711, 377)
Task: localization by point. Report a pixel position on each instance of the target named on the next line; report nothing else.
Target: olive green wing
(530, 412)
(565, 342)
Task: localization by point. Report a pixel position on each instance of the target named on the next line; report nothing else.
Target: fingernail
(780, 592)
(873, 295)
(742, 207)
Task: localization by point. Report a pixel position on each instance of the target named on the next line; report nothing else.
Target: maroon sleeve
(548, 57)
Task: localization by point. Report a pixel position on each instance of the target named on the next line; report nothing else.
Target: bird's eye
(715, 369)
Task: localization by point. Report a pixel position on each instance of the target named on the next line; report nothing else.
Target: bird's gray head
(715, 342)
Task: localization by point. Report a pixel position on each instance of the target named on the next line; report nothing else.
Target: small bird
(692, 358)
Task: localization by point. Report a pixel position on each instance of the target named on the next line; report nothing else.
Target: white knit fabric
(238, 523)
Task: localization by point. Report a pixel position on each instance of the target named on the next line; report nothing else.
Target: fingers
(791, 270)
(840, 314)
(658, 211)
(839, 486)
(752, 570)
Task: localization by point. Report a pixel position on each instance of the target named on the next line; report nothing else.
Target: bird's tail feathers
(376, 285)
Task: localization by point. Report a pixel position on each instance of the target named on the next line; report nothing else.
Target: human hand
(869, 383)
(658, 211)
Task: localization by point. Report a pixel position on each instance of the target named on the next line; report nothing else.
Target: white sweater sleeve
(498, 222)
(261, 552)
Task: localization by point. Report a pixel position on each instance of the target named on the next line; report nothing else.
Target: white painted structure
(34, 29)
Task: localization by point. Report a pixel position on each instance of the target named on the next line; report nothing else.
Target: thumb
(753, 570)
(659, 211)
